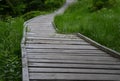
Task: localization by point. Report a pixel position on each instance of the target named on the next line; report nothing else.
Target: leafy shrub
(19, 7)
(12, 7)
(53, 4)
(32, 14)
(44, 4)
(35, 5)
(99, 4)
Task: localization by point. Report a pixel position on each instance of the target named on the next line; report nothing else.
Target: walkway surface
(48, 56)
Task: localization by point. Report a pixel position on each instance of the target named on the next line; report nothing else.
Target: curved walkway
(47, 55)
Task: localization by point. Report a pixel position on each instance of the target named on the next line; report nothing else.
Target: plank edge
(103, 48)
(25, 74)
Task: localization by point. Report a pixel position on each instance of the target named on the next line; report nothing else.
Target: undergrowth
(10, 53)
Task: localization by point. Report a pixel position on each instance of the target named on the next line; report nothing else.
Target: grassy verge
(10, 53)
(102, 26)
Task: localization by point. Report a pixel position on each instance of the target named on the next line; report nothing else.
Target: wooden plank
(57, 42)
(73, 61)
(87, 58)
(66, 57)
(25, 74)
(73, 77)
(39, 24)
(50, 38)
(39, 21)
(41, 34)
(80, 66)
(72, 51)
(40, 30)
(70, 54)
(75, 71)
(70, 36)
(47, 46)
(55, 35)
(35, 32)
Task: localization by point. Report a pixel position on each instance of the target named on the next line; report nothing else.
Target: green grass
(102, 26)
(10, 53)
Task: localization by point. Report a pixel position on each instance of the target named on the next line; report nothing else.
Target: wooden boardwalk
(48, 56)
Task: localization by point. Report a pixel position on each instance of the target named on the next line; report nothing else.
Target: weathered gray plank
(50, 38)
(47, 46)
(71, 54)
(36, 33)
(71, 51)
(40, 30)
(42, 35)
(58, 37)
(78, 59)
(57, 42)
(66, 76)
(46, 22)
(68, 70)
(73, 61)
(74, 36)
(25, 73)
(64, 57)
(85, 66)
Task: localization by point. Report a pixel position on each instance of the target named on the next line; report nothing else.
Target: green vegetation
(19, 7)
(12, 17)
(99, 4)
(10, 55)
(102, 25)
(32, 14)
